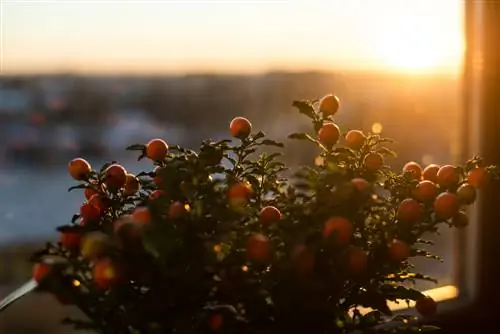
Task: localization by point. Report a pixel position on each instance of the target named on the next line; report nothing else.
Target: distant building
(131, 126)
(14, 101)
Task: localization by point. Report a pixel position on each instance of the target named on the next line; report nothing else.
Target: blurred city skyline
(177, 37)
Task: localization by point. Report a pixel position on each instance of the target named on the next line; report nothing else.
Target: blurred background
(88, 78)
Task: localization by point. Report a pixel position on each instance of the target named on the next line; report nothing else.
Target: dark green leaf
(424, 253)
(400, 292)
(270, 142)
(371, 318)
(80, 186)
(253, 181)
(259, 135)
(300, 136)
(386, 151)
(136, 147)
(306, 108)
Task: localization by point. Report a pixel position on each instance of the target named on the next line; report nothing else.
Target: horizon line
(374, 71)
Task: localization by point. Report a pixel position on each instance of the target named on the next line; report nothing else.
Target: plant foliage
(228, 239)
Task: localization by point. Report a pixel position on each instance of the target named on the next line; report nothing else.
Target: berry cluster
(249, 246)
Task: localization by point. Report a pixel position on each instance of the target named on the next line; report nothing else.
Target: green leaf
(222, 142)
(136, 147)
(259, 135)
(371, 318)
(80, 186)
(253, 181)
(401, 277)
(400, 292)
(306, 108)
(426, 254)
(158, 244)
(386, 151)
(270, 142)
(425, 242)
(302, 136)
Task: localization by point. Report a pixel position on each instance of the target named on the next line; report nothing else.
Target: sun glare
(422, 42)
(414, 36)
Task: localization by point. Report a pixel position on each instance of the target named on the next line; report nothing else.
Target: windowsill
(447, 296)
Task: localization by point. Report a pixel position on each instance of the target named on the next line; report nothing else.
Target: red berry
(269, 215)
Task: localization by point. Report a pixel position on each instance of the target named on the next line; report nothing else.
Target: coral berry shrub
(194, 245)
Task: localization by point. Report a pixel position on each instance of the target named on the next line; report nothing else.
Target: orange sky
(230, 36)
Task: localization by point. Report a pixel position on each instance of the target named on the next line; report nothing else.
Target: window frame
(475, 293)
(477, 261)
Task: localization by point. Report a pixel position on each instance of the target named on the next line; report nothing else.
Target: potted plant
(249, 246)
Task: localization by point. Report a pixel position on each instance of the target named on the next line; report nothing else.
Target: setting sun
(422, 42)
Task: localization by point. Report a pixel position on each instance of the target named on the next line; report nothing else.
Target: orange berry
(329, 105)
(361, 184)
(41, 271)
(414, 169)
(115, 176)
(105, 274)
(467, 194)
(141, 215)
(176, 210)
(460, 220)
(157, 180)
(156, 194)
(239, 193)
(398, 250)
(132, 185)
(446, 205)
(156, 149)
(99, 202)
(215, 322)
(373, 162)
(79, 169)
(478, 177)
(89, 192)
(240, 127)
(329, 134)
(447, 176)
(129, 234)
(426, 191)
(426, 306)
(355, 139)
(269, 215)
(430, 173)
(357, 261)
(258, 248)
(70, 240)
(303, 261)
(340, 228)
(90, 212)
(409, 211)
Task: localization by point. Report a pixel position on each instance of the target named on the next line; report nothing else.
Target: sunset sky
(230, 36)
